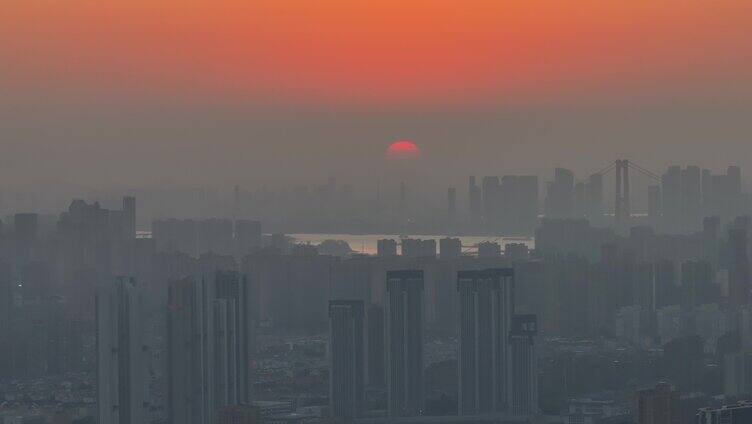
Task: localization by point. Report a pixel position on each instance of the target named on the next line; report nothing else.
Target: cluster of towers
(497, 371)
(208, 346)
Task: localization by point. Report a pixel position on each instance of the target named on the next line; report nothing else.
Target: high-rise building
(404, 342)
(516, 209)
(691, 193)
(209, 334)
(247, 236)
(451, 206)
(654, 205)
(376, 348)
(25, 232)
(6, 313)
(737, 374)
(559, 201)
(474, 198)
(594, 194)
(486, 308)
(386, 247)
(671, 201)
(741, 413)
(491, 203)
(417, 248)
(489, 249)
(523, 386)
(450, 248)
(239, 414)
(122, 353)
(129, 217)
(658, 405)
(347, 344)
(739, 268)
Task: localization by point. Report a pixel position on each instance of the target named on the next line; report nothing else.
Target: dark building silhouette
(523, 385)
(492, 203)
(560, 195)
(247, 236)
(474, 200)
(488, 249)
(739, 272)
(451, 207)
(594, 198)
(239, 414)
(386, 248)
(658, 405)
(129, 217)
(122, 353)
(450, 248)
(486, 309)
(376, 346)
(740, 413)
(208, 329)
(417, 248)
(404, 342)
(347, 345)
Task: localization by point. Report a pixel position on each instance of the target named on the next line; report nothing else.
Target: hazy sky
(181, 92)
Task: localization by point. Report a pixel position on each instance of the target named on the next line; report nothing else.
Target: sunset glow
(364, 52)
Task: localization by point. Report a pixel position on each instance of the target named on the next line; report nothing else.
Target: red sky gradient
(386, 52)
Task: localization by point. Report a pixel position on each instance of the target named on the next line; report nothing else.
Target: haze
(217, 93)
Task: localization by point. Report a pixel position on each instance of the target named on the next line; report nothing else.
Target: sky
(191, 92)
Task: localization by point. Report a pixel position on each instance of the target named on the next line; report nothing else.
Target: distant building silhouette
(450, 248)
(386, 248)
(560, 195)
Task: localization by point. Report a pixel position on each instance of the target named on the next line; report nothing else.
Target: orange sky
(372, 52)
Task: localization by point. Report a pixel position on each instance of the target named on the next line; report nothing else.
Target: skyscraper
(376, 348)
(491, 203)
(238, 414)
(739, 269)
(451, 206)
(474, 196)
(122, 354)
(450, 248)
(518, 204)
(658, 405)
(486, 308)
(6, 313)
(386, 248)
(740, 413)
(347, 344)
(208, 326)
(654, 205)
(559, 201)
(247, 236)
(404, 339)
(691, 189)
(594, 196)
(523, 390)
(129, 217)
(671, 198)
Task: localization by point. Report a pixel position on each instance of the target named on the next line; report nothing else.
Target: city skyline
(375, 212)
(93, 90)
